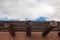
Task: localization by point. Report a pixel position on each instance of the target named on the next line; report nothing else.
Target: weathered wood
(52, 25)
(28, 28)
(58, 34)
(9, 28)
(36, 26)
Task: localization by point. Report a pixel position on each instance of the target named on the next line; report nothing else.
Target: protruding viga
(28, 28)
(9, 29)
(49, 28)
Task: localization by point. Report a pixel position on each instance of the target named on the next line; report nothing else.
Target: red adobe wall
(35, 36)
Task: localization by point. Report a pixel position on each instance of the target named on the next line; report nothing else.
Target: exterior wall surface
(34, 36)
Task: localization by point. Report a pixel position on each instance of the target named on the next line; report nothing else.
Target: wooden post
(28, 28)
(59, 34)
(9, 28)
(51, 26)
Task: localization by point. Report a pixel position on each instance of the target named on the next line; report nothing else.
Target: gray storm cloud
(31, 9)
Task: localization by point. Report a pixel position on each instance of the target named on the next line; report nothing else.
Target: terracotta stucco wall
(35, 36)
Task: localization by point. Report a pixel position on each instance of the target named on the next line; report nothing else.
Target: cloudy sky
(31, 9)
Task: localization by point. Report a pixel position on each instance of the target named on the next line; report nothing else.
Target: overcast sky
(31, 9)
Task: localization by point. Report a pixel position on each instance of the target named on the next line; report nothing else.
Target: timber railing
(21, 26)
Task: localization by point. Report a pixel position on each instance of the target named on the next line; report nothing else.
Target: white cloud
(56, 19)
(26, 9)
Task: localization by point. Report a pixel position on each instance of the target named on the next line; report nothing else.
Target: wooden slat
(21, 25)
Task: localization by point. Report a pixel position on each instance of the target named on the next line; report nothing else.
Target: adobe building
(21, 31)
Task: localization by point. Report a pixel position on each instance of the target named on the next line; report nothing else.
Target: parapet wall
(34, 36)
